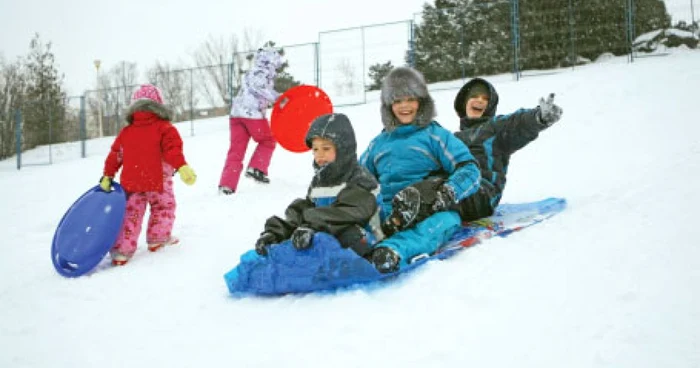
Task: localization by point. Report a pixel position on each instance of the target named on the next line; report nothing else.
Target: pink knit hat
(147, 92)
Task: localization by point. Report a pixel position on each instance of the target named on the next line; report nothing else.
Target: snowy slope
(610, 282)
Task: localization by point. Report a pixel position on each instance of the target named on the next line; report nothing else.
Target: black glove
(302, 237)
(355, 237)
(445, 198)
(264, 242)
(548, 112)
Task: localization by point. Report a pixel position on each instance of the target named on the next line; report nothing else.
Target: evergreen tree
(436, 48)
(650, 15)
(377, 72)
(475, 37)
(487, 40)
(44, 106)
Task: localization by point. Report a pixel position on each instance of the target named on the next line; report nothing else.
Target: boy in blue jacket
(410, 148)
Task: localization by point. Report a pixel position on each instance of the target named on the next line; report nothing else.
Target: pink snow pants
(242, 129)
(160, 222)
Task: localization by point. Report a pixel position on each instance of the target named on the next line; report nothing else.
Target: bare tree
(121, 82)
(214, 71)
(345, 83)
(176, 84)
(12, 89)
(220, 65)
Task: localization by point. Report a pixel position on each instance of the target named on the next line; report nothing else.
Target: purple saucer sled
(88, 230)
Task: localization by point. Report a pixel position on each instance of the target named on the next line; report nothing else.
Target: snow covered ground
(610, 282)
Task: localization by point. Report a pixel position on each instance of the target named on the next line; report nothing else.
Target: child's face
(405, 109)
(323, 150)
(476, 105)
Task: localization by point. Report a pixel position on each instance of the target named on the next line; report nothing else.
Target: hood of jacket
(460, 103)
(162, 111)
(337, 129)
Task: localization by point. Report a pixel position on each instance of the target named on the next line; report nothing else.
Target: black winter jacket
(492, 138)
(342, 195)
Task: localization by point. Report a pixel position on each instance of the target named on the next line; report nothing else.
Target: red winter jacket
(140, 149)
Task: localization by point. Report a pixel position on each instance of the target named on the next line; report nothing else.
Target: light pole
(99, 97)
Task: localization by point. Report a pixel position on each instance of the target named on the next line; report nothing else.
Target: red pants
(242, 129)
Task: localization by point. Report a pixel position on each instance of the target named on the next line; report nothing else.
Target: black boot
(404, 212)
(257, 175)
(385, 259)
(226, 190)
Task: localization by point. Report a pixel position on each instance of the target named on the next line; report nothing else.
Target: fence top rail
(365, 26)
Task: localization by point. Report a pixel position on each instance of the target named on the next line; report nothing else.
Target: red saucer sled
(293, 113)
(88, 231)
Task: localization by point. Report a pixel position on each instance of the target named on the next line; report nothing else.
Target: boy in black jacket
(492, 139)
(342, 197)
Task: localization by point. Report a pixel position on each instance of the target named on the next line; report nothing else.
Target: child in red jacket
(149, 152)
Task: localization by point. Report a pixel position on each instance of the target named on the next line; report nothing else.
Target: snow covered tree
(44, 105)
(377, 72)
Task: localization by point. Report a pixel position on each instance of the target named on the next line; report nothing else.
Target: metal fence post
(191, 103)
(317, 65)
(50, 133)
(83, 127)
(364, 82)
(630, 29)
(412, 44)
(18, 137)
(515, 25)
(572, 35)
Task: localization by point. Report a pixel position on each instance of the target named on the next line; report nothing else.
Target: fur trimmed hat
(148, 98)
(404, 82)
(147, 92)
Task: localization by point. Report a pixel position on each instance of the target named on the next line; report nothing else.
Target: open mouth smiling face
(405, 109)
(476, 106)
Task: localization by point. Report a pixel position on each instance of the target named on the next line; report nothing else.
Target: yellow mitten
(187, 175)
(106, 184)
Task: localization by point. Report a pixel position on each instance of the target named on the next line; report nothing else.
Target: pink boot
(172, 241)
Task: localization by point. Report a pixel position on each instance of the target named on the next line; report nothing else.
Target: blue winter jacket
(409, 154)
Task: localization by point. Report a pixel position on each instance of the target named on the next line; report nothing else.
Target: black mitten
(264, 242)
(355, 238)
(302, 237)
(548, 113)
(444, 198)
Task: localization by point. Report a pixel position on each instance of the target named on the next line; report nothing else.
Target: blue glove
(302, 237)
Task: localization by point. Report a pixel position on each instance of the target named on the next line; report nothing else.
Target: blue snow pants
(424, 238)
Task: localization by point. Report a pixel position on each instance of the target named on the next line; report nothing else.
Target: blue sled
(88, 230)
(328, 266)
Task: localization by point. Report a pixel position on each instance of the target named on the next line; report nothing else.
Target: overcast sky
(145, 31)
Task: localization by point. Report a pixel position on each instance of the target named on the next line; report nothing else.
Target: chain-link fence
(105, 110)
(479, 39)
(346, 56)
(47, 131)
